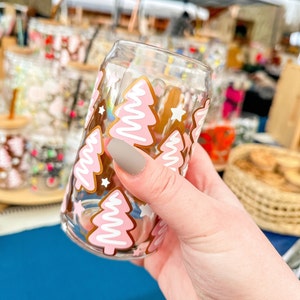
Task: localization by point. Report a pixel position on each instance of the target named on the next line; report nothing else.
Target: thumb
(180, 204)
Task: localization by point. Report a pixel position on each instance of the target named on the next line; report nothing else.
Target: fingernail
(126, 156)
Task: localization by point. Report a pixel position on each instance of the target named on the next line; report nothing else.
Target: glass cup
(154, 100)
(217, 138)
(58, 42)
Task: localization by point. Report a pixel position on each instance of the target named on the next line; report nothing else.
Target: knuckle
(163, 184)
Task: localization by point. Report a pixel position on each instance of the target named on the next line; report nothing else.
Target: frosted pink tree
(5, 159)
(157, 234)
(14, 179)
(171, 155)
(89, 163)
(135, 114)
(16, 145)
(113, 223)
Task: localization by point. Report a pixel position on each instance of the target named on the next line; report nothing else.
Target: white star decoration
(78, 208)
(101, 110)
(146, 211)
(105, 182)
(177, 113)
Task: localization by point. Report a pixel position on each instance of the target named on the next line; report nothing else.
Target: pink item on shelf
(233, 102)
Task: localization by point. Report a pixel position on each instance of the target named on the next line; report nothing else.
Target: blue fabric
(281, 242)
(44, 264)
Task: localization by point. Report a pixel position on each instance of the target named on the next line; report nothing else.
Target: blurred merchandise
(58, 42)
(77, 85)
(46, 161)
(217, 139)
(14, 165)
(233, 101)
(246, 126)
(39, 91)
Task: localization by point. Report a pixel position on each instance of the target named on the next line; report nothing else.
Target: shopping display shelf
(28, 197)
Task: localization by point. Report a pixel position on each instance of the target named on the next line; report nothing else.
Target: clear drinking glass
(154, 100)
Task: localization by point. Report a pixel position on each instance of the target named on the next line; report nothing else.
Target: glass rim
(203, 66)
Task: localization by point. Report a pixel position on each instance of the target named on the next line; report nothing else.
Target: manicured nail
(126, 156)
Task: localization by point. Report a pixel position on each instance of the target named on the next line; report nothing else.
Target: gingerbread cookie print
(112, 225)
(135, 116)
(161, 115)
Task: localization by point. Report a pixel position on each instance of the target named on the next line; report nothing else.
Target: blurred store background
(50, 52)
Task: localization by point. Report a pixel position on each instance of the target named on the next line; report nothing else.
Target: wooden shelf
(28, 197)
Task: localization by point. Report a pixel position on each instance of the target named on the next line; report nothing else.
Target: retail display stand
(28, 197)
(284, 117)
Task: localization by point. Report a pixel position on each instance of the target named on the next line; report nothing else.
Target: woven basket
(271, 208)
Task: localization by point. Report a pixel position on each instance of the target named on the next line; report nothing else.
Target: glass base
(136, 252)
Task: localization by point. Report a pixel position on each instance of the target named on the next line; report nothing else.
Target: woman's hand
(213, 249)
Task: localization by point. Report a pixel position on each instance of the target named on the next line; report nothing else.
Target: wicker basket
(272, 208)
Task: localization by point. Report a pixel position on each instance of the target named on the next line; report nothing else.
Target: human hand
(212, 249)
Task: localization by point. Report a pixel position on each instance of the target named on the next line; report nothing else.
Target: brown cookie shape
(171, 99)
(107, 179)
(293, 177)
(287, 163)
(98, 117)
(263, 159)
(273, 179)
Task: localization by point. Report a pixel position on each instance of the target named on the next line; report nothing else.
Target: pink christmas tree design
(16, 145)
(5, 159)
(89, 163)
(95, 95)
(171, 151)
(198, 120)
(157, 234)
(135, 115)
(113, 224)
(14, 179)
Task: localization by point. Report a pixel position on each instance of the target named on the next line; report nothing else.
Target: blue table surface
(44, 264)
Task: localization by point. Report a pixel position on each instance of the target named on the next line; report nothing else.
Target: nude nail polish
(126, 156)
